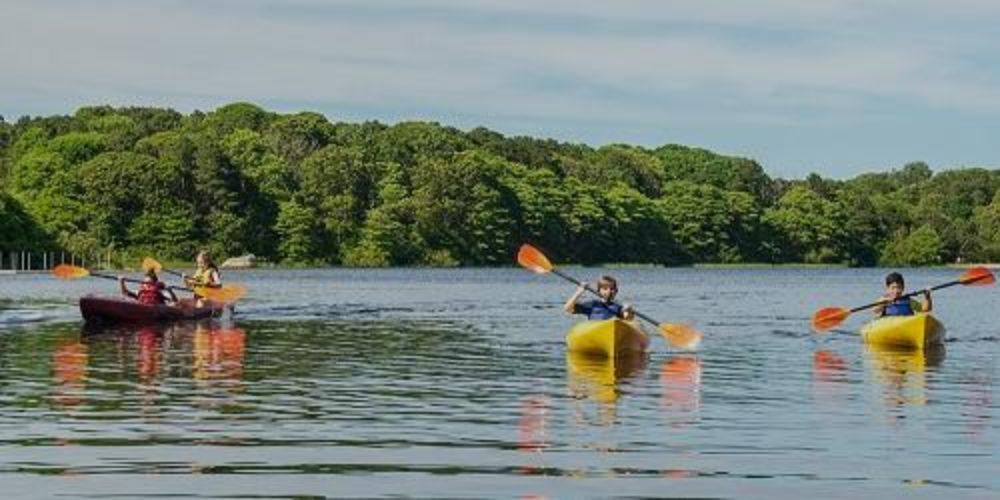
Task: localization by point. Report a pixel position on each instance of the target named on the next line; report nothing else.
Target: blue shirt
(900, 307)
(598, 309)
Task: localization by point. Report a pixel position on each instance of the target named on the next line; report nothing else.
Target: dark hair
(151, 273)
(609, 281)
(894, 278)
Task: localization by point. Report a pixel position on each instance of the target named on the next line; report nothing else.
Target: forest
(302, 189)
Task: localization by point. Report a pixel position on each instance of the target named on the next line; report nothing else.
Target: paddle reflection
(532, 436)
(218, 353)
(829, 376)
(69, 372)
(680, 377)
(902, 373)
(601, 380)
(978, 405)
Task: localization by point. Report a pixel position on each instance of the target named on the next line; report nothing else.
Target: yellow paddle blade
(977, 276)
(228, 293)
(681, 336)
(829, 317)
(68, 272)
(151, 263)
(533, 260)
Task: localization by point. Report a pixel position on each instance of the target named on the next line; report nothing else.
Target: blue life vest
(899, 307)
(598, 309)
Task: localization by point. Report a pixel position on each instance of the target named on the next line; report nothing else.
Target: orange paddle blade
(228, 293)
(681, 336)
(68, 272)
(977, 276)
(829, 317)
(531, 259)
(151, 263)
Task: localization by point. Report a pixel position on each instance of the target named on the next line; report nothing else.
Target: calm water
(455, 383)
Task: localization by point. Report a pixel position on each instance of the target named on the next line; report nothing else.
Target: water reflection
(829, 377)
(978, 404)
(601, 380)
(902, 373)
(69, 372)
(680, 377)
(207, 351)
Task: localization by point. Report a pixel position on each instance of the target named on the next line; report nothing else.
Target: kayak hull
(609, 338)
(909, 332)
(113, 310)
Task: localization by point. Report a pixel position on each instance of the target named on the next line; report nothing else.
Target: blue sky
(838, 87)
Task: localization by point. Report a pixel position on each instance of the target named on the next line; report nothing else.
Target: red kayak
(121, 310)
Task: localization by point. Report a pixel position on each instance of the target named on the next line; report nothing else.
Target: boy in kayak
(602, 308)
(895, 305)
(151, 291)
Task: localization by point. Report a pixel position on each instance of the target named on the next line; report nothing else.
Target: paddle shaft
(590, 289)
(132, 280)
(919, 292)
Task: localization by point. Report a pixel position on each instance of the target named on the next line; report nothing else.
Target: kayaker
(894, 305)
(151, 291)
(602, 308)
(207, 274)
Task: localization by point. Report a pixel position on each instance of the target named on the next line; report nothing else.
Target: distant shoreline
(610, 265)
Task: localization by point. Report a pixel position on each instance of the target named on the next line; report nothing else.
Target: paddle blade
(533, 260)
(829, 317)
(151, 263)
(681, 336)
(977, 276)
(226, 294)
(68, 272)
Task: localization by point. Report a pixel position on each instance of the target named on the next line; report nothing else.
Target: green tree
(809, 228)
(921, 247)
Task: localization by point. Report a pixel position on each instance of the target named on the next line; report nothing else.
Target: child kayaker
(894, 305)
(151, 291)
(602, 308)
(207, 274)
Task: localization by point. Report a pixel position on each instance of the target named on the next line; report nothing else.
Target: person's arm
(880, 309)
(928, 304)
(628, 314)
(570, 305)
(168, 293)
(215, 279)
(124, 289)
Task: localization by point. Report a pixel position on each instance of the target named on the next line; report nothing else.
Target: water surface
(455, 383)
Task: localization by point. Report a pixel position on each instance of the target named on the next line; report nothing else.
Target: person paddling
(895, 305)
(207, 274)
(602, 308)
(151, 291)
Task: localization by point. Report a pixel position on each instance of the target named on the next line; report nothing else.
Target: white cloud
(653, 64)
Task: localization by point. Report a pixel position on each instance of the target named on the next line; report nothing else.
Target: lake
(456, 383)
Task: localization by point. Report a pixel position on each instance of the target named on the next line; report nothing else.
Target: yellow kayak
(609, 338)
(914, 332)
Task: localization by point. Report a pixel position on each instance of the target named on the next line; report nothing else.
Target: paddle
(232, 294)
(680, 336)
(151, 263)
(829, 317)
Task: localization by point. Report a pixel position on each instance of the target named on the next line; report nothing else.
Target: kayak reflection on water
(902, 373)
(602, 380)
(206, 350)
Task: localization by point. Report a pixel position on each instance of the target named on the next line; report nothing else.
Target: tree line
(301, 189)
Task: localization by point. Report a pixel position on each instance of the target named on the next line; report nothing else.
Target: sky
(837, 87)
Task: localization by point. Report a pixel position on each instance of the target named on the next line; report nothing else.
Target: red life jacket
(149, 293)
